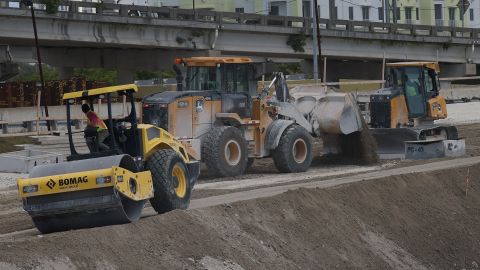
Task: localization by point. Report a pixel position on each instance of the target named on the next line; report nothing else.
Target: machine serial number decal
(413, 149)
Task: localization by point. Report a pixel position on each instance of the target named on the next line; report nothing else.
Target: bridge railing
(150, 12)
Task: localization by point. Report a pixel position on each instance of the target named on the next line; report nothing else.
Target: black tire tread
(164, 199)
(281, 153)
(212, 157)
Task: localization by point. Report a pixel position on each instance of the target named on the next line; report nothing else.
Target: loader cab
(409, 89)
(417, 82)
(233, 79)
(123, 135)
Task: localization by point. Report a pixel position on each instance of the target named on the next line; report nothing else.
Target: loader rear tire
(171, 183)
(225, 152)
(294, 151)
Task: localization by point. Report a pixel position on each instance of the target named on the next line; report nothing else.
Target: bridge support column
(125, 75)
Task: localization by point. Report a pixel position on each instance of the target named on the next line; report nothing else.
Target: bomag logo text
(72, 181)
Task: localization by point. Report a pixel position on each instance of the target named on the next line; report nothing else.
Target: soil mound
(415, 221)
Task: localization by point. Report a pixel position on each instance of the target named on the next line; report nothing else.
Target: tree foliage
(97, 74)
(30, 72)
(154, 74)
(290, 68)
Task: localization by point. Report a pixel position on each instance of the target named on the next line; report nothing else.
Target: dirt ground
(413, 221)
(417, 221)
(7, 144)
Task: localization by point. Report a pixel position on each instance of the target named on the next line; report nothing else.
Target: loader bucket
(337, 120)
(85, 193)
(337, 113)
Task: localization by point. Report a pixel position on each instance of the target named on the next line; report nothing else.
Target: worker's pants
(101, 136)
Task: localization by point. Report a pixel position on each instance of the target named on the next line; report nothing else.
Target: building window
(239, 10)
(472, 15)
(366, 13)
(408, 13)
(350, 13)
(380, 14)
(417, 13)
(307, 9)
(438, 12)
(274, 10)
(335, 13)
(397, 13)
(451, 13)
(278, 8)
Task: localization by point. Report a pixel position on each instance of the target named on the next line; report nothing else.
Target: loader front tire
(225, 152)
(171, 183)
(294, 151)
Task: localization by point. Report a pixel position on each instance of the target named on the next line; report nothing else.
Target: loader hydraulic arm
(281, 88)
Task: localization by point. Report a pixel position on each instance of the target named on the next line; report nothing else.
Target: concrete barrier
(23, 161)
(24, 119)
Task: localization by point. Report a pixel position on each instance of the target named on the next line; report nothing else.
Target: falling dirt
(413, 221)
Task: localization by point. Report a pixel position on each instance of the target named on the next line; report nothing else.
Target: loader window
(202, 78)
(396, 77)
(412, 82)
(413, 92)
(236, 78)
(430, 83)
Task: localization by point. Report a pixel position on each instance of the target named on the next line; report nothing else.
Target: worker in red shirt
(95, 128)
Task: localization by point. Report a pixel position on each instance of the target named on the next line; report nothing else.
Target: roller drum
(86, 208)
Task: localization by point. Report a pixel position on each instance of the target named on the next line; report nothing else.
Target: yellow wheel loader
(110, 186)
(221, 119)
(405, 111)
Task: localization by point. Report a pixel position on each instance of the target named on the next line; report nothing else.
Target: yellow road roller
(109, 185)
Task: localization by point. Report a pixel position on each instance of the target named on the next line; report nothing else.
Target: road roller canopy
(430, 65)
(100, 91)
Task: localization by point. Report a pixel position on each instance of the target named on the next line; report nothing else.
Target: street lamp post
(39, 60)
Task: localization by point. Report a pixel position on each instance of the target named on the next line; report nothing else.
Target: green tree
(97, 74)
(29, 72)
(154, 74)
(290, 68)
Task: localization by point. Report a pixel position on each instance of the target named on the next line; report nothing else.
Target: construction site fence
(25, 94)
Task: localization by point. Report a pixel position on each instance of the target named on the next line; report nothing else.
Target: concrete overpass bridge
(87, 34)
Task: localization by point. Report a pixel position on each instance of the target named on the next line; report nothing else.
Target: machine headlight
(30, 189)
(120, 178)
(104, 180)
(182, 104)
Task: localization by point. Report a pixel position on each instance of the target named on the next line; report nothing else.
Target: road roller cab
(106, 187)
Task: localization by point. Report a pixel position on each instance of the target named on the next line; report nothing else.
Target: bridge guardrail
(151, 12)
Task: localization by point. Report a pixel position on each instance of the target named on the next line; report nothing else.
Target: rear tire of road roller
(225, 152)
(294, 151)
(171, 181)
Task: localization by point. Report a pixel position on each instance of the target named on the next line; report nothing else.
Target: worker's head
(85, 108)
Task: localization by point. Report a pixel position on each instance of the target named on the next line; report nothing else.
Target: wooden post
(99, 106)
